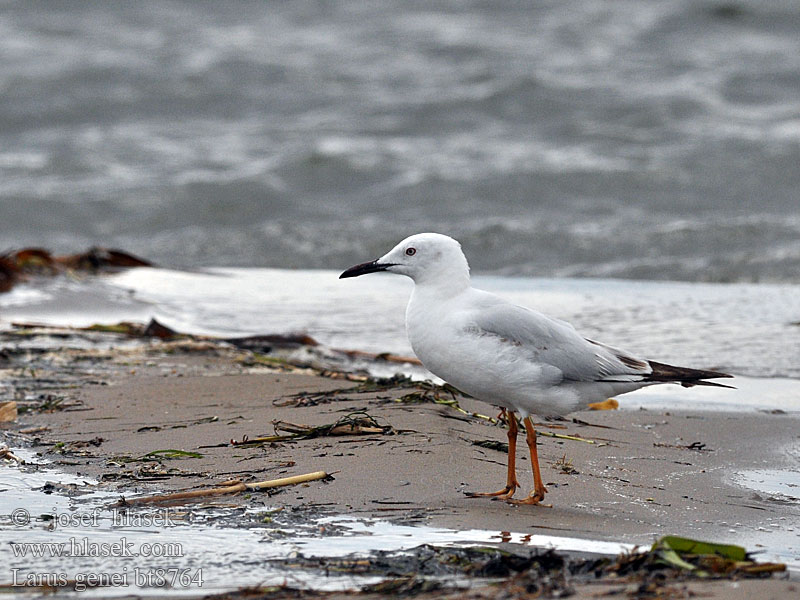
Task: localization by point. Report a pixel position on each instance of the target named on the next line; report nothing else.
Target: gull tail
(682, 375)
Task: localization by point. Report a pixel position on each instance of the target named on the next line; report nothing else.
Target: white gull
(508, 355)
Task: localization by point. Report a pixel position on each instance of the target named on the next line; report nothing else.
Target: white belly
(493, 371)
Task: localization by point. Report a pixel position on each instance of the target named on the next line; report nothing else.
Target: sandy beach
(632, 476)
(648, 473)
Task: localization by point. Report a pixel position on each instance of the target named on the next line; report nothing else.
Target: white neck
(442, 283)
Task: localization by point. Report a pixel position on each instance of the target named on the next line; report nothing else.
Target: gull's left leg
(537, 495)
(511, 479)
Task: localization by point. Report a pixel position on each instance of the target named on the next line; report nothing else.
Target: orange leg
(537, 495)
(511, 480)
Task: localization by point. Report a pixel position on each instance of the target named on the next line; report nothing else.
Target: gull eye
(411, 251)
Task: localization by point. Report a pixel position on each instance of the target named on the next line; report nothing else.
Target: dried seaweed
(696, 446)
(356, 423)
(368, 386)
(492, 445)
(15, 265)
(170, 453)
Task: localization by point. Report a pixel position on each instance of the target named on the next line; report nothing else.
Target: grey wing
(556, 343)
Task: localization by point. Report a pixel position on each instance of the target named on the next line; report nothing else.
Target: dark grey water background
(656, 140)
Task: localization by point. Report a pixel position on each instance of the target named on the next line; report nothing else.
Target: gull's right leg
(511, 479)
(537, 495)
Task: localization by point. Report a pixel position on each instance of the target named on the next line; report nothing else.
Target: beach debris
(126, 328)
(696, 558)
(8, 411)
(356, 423)
(563, 436)
(409, 585)
(432, 560)
(531, 573)
(291, 352)
(492, 445)
(381, 356)
(9, 274)
(253, 359)
(15, 265)
(170, 453)
(265, 343)
(430, 392)
(426, 568)
(77, 447)
(52, 403)
(424, 391)
(565, 466)
(40, 261)
(6, 454)
(696, 446)
(577, 421)
(152, 329)
(149, 471)
(233, 486)
(32, 430)
(155, 455)
(97, 258)
(366, 386)
(444, 395)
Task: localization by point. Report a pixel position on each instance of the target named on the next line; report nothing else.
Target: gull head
(427, 258)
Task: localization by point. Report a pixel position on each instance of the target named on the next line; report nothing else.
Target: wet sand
(647, 474)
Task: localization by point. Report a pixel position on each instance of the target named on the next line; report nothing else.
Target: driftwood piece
(228, 487)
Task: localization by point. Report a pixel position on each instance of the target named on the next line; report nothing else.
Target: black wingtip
(685, 376)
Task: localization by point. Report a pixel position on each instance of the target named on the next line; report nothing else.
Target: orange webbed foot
(505, 494)
(534, 498)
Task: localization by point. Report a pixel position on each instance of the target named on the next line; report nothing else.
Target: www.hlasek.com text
(84, 547)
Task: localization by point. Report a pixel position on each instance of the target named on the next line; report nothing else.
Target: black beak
(368, 267)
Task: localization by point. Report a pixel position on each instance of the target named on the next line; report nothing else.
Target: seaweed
(356, 423)
(15, 265)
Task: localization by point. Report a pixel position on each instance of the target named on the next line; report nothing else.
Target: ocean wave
(629, 139)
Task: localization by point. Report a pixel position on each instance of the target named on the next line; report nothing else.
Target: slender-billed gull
(510, 356)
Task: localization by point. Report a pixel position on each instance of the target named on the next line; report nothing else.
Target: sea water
(633, 139)
(749, 330)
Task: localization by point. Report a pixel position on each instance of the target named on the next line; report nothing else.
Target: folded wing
(556, 343)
